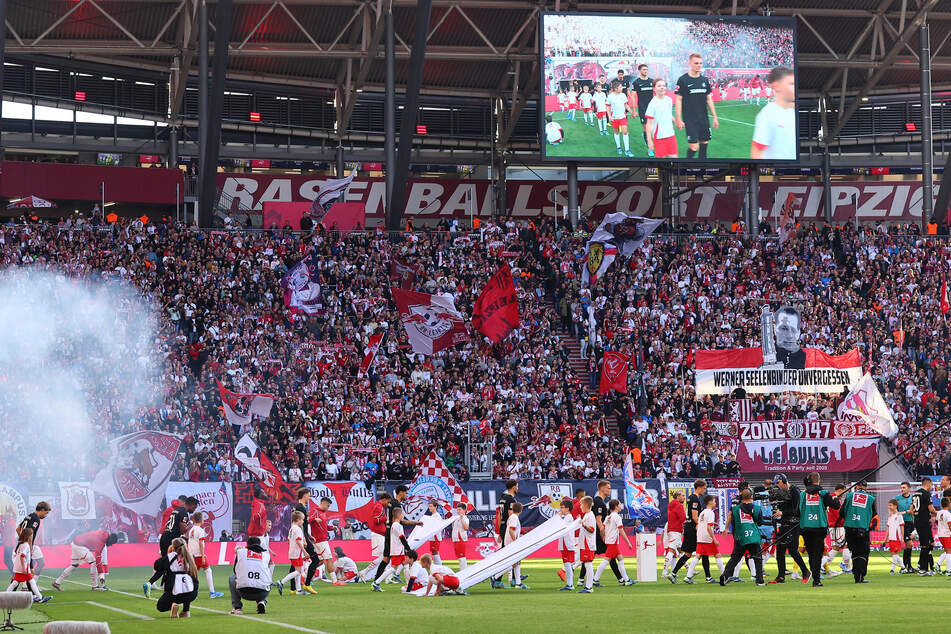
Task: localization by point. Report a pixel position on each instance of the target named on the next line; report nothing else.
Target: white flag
(139, 470)
(865, 402)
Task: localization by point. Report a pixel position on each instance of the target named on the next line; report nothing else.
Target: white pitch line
(289, 626)
(735, 121)
(126, 612)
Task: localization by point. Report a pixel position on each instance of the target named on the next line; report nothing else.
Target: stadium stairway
(579, 367)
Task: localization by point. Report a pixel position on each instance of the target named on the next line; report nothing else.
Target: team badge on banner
(433, 483)
(77, 501)
(139, 470)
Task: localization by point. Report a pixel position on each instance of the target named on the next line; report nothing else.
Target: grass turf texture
(731, 141)
(840, 606)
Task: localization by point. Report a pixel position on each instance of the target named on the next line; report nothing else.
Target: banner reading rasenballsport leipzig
(722, 371)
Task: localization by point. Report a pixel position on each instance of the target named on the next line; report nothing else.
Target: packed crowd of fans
(223, 317)
(722, 44)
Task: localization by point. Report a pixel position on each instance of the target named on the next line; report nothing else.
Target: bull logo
(614, 365)
(430, 321)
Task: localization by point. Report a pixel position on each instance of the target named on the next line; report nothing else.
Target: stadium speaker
(76, 627)
(10, 601)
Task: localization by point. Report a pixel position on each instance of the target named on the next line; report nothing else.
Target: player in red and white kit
(836, 539)
(87, 549)
(756, 88)
(296, 552)
(566, 545)
(895, 534)
(196, 546)
(377, 526)
(943, 519)
(460, 535)
(674, 531)
(320, 532)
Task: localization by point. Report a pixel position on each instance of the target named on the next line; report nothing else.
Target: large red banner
(802, 456)
(448, 197)
(62, 181)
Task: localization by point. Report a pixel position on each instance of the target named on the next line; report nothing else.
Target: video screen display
(668, 88)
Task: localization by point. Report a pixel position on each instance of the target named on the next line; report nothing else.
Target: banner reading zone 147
(806, 370)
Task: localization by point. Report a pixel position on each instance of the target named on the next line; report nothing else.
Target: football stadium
(340, 315)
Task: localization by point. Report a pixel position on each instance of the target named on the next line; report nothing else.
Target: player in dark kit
(694, 506)
(643, 87)
(506, 500)
(694, 98)
(32, 521)
(176, 526)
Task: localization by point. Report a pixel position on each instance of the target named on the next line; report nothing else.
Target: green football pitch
(732, 140)
(903, 603)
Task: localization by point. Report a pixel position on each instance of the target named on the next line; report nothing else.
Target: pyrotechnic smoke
(76, 364)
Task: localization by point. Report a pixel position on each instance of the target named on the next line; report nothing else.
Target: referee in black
(694, 98)
(689, 547)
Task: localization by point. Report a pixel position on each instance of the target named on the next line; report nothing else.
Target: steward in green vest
(858, 509)
(745, 519)
(813, 523)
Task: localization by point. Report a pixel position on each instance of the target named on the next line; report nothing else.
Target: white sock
(604, 564)
(94, 574)
(720, 564)
(210, 580)
(290, 577)
(31, 584)
(66, 572)
(13, 586)
(371, 569)
(896, 561)
(333, 576)
(668, 556)
(617, 140)
(627, 142)
(569, 575)
(847, 558)
(620, 565)
(766, 557)
(270, 568)
(462, 563)
(588, 575)
(517, 574)
(691, 565)
(437, 560)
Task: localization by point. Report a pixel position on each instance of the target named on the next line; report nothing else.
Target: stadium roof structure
(848, 49)
(474, 45)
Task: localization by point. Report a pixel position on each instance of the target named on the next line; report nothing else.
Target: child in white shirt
(566, 544)
(513, 529)
(895, 534)
(613, 530)
(21, 566)
(588, 542)
(296, 552)
(196, 546)
(944, 534)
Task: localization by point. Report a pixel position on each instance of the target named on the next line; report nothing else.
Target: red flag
(432, 322)
(945, 305)
(495, 314)
(238, 408)
(786, 222)
(370, 352)
(403, 272)
(613, 372)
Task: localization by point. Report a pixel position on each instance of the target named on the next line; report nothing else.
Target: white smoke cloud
(76, 361)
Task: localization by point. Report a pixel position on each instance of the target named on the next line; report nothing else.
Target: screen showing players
(668, 88)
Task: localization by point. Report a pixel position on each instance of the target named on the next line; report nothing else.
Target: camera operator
(814, 523)
(744, 519)
(785, 499)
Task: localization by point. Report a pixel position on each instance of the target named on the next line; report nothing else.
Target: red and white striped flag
(369, 353)
(739, 409)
